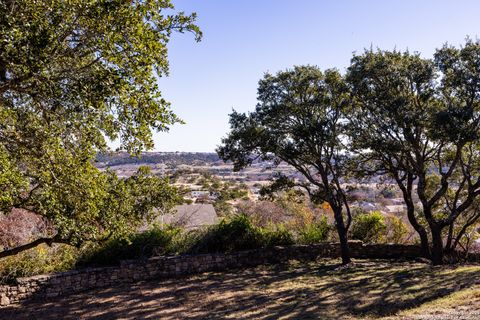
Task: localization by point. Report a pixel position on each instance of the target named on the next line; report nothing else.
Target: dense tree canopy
(299, 120)
(411, 119)
(72, 74)
(418, 121)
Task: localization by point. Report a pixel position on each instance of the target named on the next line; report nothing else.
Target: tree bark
(437, 245)
(342, 235)
(422, 233)
(449, 243)
(407, 190)
(33, 244)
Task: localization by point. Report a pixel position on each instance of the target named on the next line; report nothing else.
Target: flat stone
(4, 300)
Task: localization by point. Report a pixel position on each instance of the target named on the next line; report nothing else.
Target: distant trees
(170, 158)
(73, 74)
(299, 120)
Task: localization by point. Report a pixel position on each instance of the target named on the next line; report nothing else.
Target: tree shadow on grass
(297, 290)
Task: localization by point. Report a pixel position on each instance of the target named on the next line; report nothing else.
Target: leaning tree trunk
(342, 235)
(407, 190)
(422, 233)
(31, 245)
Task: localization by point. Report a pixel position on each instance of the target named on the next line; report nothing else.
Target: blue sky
(243, 39)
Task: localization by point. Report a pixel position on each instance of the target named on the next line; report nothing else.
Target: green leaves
(72, 74)
(298, 119)
(97, 59)
(418, 120)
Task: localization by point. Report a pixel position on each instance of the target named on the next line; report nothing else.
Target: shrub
(315, 232)
(388, 193)
(154, 241)
(39, 260)
(397, 231)
(279, 236)
(369, 227)
(239, 233)
(231, 234)
(19, 226)
(263, 213)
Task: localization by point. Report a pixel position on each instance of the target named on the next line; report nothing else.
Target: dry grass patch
(463, 304)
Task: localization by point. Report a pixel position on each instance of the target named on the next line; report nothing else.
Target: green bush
(39, 260)
(315, 232)
(279, 236)
(154, 241)
(398, 231)
(231, 234)
(369, 227)
(238, 233)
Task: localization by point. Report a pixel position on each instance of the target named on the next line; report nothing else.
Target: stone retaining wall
(53, 285)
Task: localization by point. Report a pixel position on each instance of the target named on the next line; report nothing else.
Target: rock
(4, 301)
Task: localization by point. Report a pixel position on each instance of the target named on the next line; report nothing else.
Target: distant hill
(171, 158)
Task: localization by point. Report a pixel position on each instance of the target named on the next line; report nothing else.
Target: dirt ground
(317, 290)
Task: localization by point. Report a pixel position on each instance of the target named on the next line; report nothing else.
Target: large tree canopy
(299, 120)
(418, 120)
(86, 69)
(72, 74)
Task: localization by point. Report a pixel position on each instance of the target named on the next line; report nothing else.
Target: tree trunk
(424, 245)
(448, 245)
(31, 245)
(407, 190)
(342, 235)
(422, 233)
(437, 246)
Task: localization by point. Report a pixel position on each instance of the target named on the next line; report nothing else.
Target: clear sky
(243, 39)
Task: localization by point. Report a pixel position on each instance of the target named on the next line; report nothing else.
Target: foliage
(232, 234)
(238, 233)
(315, 232)
(418, 120)
(20, 226)
(369, 227)
(388, 193)
(134, 246)
(293, 211)
(223, 208)
(40, 260)
(277, 236)
(113, 208)
(397, 231)
(72, 75)
(263, 213)
(98, 59)
(299, 120)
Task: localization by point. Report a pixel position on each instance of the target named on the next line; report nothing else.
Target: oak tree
(417, 120)
(299, 119)
(74, 74)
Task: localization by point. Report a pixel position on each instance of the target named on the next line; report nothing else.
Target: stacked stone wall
(54, 285)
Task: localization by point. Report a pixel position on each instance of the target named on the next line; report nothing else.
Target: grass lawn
(371, 289)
